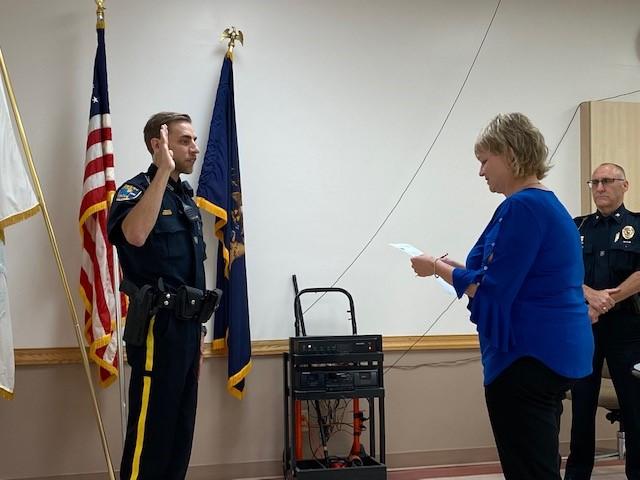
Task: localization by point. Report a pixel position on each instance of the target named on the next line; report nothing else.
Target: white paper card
(414, 252)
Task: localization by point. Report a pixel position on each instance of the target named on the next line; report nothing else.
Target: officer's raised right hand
(162, 155)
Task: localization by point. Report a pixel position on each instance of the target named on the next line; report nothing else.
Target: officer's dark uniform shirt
(174, 250)
(611, 251)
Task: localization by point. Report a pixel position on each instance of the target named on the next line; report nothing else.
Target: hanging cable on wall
(424, 159)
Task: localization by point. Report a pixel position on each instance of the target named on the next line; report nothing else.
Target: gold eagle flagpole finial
(100, 13)
(232, 34)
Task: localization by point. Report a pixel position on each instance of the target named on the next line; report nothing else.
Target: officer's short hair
(513, 134)
(614, 165)
(152, 128)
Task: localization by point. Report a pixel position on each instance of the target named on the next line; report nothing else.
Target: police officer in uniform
(611, 251)
(157, 229)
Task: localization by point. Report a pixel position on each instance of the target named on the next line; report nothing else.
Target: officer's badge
(128, 192)
(628, 232)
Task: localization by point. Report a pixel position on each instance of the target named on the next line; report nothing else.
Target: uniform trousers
(524, 404)
(617, 338)
(163, 393)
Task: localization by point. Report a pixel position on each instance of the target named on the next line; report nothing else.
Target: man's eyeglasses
(603, 181)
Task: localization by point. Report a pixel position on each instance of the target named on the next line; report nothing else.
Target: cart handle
(297, 308)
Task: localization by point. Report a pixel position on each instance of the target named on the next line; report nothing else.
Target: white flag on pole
(17, 202)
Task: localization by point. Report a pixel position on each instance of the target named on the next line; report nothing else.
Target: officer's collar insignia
(128, 192)
(167, 211)
(628, 232)
(617, 214)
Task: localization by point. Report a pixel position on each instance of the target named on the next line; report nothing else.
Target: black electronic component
(336, 364)
(336, 381)
(338, 344)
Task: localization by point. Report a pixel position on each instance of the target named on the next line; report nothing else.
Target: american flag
(97, 279)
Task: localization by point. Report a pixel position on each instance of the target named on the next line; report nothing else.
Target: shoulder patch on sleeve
(128, 192)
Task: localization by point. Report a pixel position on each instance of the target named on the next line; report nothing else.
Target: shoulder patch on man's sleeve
(128, 192)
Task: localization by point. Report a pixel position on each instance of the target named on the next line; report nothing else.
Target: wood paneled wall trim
(609, 133)
(66, 355)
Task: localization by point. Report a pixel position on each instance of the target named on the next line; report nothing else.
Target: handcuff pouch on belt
(188, 302)
(195, 304)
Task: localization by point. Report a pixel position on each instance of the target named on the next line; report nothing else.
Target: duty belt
(188, 303)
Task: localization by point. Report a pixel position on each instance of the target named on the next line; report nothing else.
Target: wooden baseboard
(70, 355)
(272, 469)
(442, 457)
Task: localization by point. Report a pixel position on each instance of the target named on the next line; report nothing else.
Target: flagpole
(100, 23)
(56, 253)
(119, 342)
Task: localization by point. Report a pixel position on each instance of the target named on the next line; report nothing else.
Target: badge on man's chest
(628, 232)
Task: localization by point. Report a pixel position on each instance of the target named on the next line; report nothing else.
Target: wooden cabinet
(610, 132)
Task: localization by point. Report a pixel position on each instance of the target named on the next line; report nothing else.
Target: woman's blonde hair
(513, 135)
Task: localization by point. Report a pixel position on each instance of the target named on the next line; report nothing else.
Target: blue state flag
(219, 193)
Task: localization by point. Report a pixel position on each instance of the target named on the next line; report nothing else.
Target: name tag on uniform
(167, 212)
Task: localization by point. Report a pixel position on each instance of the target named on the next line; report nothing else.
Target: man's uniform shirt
(611, 252)
(175, 248)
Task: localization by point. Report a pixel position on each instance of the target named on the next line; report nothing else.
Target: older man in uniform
(611, 251)
(157, 229)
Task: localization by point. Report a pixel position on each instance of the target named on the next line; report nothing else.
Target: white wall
(337, 104)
